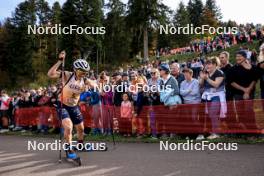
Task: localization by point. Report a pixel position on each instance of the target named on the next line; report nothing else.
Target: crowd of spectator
(212, 80)
(213, 43)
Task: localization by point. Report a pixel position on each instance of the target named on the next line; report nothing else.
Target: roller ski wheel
(77, 161)
(73, 158)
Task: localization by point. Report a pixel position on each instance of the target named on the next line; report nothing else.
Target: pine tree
(91, 12)
(55, 13)
(215, 10)
(181, 19)
(195, 10)
(54, 40)
(143, 15)
(22, 44)
(5, 54)
(117, 40)
(69, 42)
(43, 12)
(211, 14)
(41, 49)
(82, 13)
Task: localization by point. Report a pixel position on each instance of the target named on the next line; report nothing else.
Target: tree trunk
(146, 57)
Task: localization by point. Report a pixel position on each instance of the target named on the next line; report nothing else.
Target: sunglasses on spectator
(153, 73)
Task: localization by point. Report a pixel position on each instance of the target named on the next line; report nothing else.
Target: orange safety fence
(240, 117)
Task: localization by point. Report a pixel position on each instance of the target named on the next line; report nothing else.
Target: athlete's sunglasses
(81, 72)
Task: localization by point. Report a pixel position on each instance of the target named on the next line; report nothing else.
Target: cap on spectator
(242, 53)
(164, 67)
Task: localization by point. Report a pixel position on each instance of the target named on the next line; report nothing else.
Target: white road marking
(19, 165)
(173, 173)
(17, 156)
(41, 167)
(7, 154)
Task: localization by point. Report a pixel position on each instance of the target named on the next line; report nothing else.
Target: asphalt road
(130, 159)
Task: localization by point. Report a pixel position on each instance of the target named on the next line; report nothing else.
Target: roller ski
(71, 156)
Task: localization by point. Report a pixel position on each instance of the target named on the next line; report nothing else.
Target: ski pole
(61, 103)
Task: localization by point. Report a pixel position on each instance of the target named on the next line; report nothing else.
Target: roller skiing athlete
(72, 85)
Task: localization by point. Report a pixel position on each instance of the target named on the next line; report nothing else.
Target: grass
(242, 139)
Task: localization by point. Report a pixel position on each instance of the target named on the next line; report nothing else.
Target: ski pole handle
(62, 56)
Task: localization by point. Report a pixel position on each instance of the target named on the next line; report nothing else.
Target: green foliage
(20, 45)
(195, 10)
(181, 18)
(214, 9)
(117, 40)
(130, 30)
(82, 13)
(142, 15)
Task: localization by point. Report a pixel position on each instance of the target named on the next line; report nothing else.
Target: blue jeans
(214, 107)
